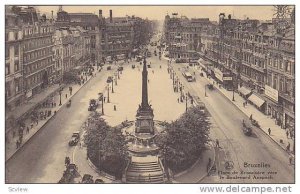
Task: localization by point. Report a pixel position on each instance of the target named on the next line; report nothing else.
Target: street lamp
(116, 79)
(233, 87)
(108, 93)
(177, 86)
(205, 90)
(101, 97)
(186, 98)
(60, 97)
(112, 85)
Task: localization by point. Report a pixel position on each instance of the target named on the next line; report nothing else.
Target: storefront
(289, 121)
(224, 78)
(244, 92)
(273, 107)
(258, 102)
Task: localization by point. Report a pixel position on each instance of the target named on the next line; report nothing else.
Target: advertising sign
(218, 74)
(271, 92)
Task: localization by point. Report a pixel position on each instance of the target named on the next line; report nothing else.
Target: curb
(190, 168)
(110, 177)
(17, 150)
(247, 116)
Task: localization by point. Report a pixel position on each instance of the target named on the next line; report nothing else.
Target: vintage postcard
(149, 94)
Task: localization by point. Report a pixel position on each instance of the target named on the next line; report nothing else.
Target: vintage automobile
(87, 179)
(99, 181)
(246, 129)
(93, 105)
(120, 68)
(108, 68)
(210, 86)
(255, 123)
(69, 103)
(74, 139)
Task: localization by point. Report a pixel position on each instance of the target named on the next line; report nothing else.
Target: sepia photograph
(148, 94)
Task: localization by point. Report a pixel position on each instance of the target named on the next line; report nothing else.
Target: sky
(158, 12)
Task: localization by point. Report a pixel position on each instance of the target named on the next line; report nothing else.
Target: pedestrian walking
(287, 134)
(31, 125)
(17, 144)
(27, 130)
(291, 159)
(115, 108)
(244, 104)
(178, 100)
(66, 95)
(103, 99)
(217, 143)
(269, 131)
(288, 147)
(251, 117)
(208, 165)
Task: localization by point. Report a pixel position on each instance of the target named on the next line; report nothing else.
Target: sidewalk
(10, 145)
(197, 171)
(85, 166)
(20, 111)
(264, 121)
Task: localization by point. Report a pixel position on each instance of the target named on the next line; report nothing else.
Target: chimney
(110, 16)
(100, 13)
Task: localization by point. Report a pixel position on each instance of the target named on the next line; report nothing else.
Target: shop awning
(256, 100)
(244, 91)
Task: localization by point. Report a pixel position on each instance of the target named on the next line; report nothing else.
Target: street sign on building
(271, 92)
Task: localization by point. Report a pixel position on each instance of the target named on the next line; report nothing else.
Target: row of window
(279, 83)
(8, 67)
(37, 54)
(12, 87)
(37, 30)
(15, 50)
(31, 68)
(281, 64)
(37, 43)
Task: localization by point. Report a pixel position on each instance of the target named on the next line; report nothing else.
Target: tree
(96, 133)
(185, 139)
(106, 146)
(71, 77)
(114, 153)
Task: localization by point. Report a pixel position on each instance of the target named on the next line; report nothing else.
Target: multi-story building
(113, 38)
(38, 44)
(118, 37)
(280, 84)
(72, 49)
(182, 36)
(89, 22)
(14, 91)
(258, 60)
(31, 55)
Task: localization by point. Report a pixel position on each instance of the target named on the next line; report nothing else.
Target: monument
(144, 117)
(145, 165)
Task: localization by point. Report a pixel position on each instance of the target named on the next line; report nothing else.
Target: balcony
(287, 96)
(259, 55)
